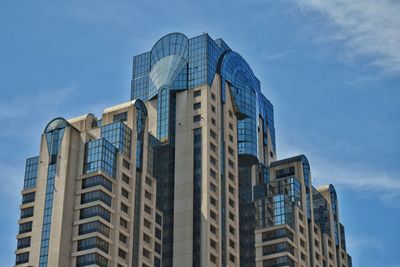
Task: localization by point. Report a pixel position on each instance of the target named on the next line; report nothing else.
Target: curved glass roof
(166, 69)
(56, 124)
(171, 44)
(237, 71)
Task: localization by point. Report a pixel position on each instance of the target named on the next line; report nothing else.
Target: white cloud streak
(356, 177)
(369, 29)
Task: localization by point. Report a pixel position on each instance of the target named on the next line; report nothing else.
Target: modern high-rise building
(184, 174)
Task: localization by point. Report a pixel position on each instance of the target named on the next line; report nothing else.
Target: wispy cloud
(355, 176)
(34, 103)
(368, 28)
(362, 179)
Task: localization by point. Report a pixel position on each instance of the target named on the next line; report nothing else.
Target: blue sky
(331, 69)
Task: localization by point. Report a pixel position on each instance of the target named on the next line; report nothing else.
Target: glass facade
(31, 172)
(97, 180)
(277, 207)
(178, 63)
(101, 155)
(197, 197)
(91, 259)
(54, 133)
(321, 212)
(141, 114)
(119, 135)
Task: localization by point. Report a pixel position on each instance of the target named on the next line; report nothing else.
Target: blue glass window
(101, 156)
(24, 242)
(22, 258)
(94, 226)
(97, 180)
(119, 135)
(91, 259)
(95, 211)
(28, 198)
(31, 172)
(93, 242)
(27, 212)
(94, 196)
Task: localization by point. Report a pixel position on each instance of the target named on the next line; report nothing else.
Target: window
(213, 215)
(302, 243)
(126, 164)
(213, 187)
(301, 229)
(303, 257)
(197, 118)
(231, 243)
(213, 121)
(231, 138)
(147, 224)
(213, 229)
(197, 105)
(213, 201)
(231, 164)
(158, 233)
(213, 244)
(124, 193)
(123, 223)
(25, 227)
(95, 211)
(93, 242)
(196, 93)
(121, 253)
(212, 96)
(285, 172)
(213, 258)
(147, 195)
(147, 209)
(90, 259)
(124, 208)
(231, 203)
(97, 180)
(24, 242)
(158, 219)
(231, 151)
(213, 174)
(146, 253)
(231, 216)
(22, 258)
(230, 113)
(213, 134)
(232, 258)
(157, 247)
(231, 177)
(28, 198)
(92, 227)
(213, 148)
(213, 161)
(231, 126)
(94, 196)
(213, 108)
(149, 182)
(231, 230)
(120, 117)
(231, 190)
(26, 213)
(125, 178)
(146, 238)
(122, 238)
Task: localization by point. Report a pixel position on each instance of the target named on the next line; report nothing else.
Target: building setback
(184, 174)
